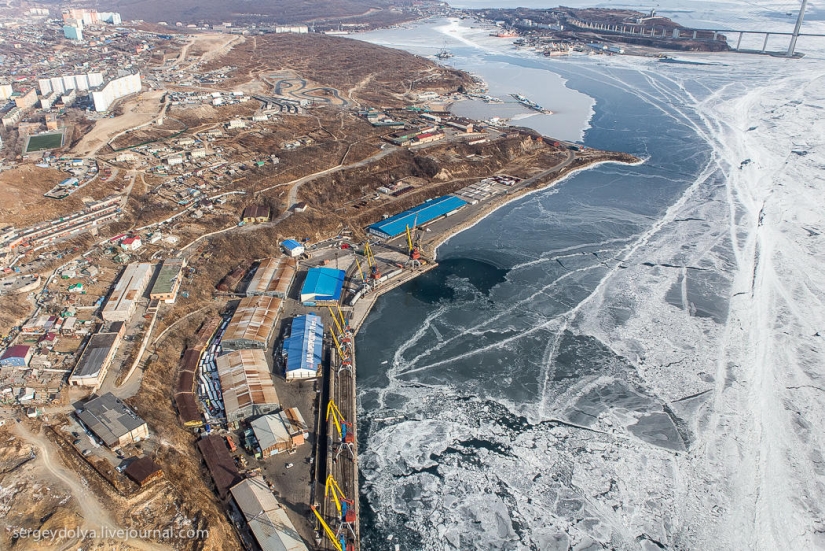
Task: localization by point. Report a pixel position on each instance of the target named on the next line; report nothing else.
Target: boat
(444, 53)
(531, 104)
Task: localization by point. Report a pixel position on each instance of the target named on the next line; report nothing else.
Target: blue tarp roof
(290, 244)
(304, 346)
(322, 284)
(421, 214)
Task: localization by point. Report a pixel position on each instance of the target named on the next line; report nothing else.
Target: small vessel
(531, 104)
(444, 53)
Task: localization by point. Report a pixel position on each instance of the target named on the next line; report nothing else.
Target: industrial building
(130, 287)
(94, 363)
(16, 356)
(421, 214)
(292, 248)
(168, 281)
(246, 384)
(253, 323)
(322, 286)
(266, 518)
(280, 432)
(272, 434)
(220, 463)
(114, 90)
(273, 277)
(113, 421)
(303, 348)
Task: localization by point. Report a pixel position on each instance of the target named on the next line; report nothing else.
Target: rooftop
(266, 517)
(420, 214)
(245, 380)
(168, 275)
(322, 284)
(95, 354)
(109, 418)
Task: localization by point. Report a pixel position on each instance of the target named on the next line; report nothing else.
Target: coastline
(545, 181)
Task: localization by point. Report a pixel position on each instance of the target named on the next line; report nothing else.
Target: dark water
(492, 353)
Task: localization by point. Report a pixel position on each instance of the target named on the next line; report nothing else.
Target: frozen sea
(632, 359)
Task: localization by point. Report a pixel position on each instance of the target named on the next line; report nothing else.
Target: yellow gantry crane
(339, 542)
(345, 507)
(374, 273)
(361, 271)
(344, 428)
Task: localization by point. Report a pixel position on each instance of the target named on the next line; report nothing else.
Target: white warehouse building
(128, 291)
(116, 89)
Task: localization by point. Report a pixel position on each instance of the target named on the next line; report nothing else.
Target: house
(131, 243)
(16, 356)
(255, 213)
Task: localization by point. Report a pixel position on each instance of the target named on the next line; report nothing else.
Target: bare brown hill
(375, 75)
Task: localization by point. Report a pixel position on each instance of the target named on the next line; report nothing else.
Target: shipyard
(192, 237)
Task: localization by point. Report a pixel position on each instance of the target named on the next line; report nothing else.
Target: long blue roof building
(304, 347)
(420, 214)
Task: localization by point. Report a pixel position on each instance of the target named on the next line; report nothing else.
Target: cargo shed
(303, 348)
(422, 214)
(253, 323)
(322, 286)
(266, 518)
(247, 385)
(273, 277)
(220, 463)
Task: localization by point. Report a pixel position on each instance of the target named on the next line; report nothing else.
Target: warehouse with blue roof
(322, 286)
(416, 216)
(303, 348)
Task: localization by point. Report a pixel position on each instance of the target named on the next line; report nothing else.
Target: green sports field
(44, 141)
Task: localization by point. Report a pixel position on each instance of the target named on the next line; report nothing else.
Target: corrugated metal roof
(127, 291)
(219, 462)
(290, 244)
(253, 320)
(266, 518)
(273, 277)
(421, 214)
(95, 354)
(323, 284)
(270, 430)
(245, 380)
(304, 346)
(109, 418)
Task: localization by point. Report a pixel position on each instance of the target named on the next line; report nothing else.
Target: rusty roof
(254, 320)
(220, 463)
(274, 276)
(245, 380)
(142, 469)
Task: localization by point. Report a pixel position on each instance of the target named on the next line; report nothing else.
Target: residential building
(16, 356)
(255, 213)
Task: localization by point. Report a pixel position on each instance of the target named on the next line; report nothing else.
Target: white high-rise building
(116, 89)
(62, 84)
